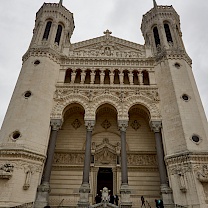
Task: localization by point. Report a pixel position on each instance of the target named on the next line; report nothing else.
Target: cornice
(187, 157)
(110, 38)
(103, 87)
(107, 62)
(43, 52)
(172, 54)
(21, 154)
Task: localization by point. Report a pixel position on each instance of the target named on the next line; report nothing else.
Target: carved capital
(122, 125)
(45, 187)
(156, 126)
(89, 124)
(56, 124)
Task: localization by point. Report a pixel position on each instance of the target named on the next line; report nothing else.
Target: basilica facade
(104, 112)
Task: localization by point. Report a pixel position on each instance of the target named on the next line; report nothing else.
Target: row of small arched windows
(167, 32)
(107, 77)
(58, 32)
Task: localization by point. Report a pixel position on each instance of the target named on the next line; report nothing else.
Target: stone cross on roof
(107, 33)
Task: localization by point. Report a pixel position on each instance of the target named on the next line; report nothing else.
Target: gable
(107, 46)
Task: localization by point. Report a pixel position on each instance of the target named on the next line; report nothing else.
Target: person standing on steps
(111, 199)
(143, 202)
(116, 199)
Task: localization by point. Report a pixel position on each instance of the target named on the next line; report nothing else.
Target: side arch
(60, 105)
(144, 101)
(107, 99)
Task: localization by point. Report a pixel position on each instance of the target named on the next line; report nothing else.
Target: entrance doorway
(105, 179)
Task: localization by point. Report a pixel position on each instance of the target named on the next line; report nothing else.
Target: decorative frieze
(92, 97)
(141, 159)
(69, 158)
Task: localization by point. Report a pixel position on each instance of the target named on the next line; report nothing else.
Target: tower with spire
(102, 116)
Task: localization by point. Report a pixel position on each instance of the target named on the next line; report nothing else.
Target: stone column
(124, 190)
(140, 78)
(53, 32)
(44, 188)
(152, 78)
(165, 189)
(85, 187)
(131, 78)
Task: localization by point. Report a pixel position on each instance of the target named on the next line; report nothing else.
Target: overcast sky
(92, 17)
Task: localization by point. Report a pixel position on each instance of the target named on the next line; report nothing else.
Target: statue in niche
(118, 148)
(105, 158)
(107, 51)
(28, 175)
(182, 182)
(105, 194)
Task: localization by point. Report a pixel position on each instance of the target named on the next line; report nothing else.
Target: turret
(54, 26)
(161, 28)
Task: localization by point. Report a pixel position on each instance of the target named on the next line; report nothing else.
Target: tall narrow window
(156, 36)
(145, 77)
(47, 30)
(168, 33)
(58, 34)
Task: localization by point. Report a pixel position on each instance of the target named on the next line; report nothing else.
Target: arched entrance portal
(105, 179)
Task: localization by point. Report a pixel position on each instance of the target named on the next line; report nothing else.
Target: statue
(105, 195)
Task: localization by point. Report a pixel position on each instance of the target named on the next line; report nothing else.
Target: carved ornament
(56, 124)
(202, 174)
(69, 158)
(6, 171)
(105, 157)
(89, 124)
(135, 125)
(156, 126)
(76, 124)
(106, 124)
(122, 125)
(141, 159)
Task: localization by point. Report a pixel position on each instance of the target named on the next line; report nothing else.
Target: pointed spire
(155, 3)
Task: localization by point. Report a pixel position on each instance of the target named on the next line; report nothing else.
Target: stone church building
(104, 112)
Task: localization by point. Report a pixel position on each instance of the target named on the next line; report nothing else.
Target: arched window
(97, 76)
(168, 33)
(58, 34)
(87, 77)
(156, 36)
(145, 77)
(68, 76)
(107, 77)
(126, 77)
(47, 30)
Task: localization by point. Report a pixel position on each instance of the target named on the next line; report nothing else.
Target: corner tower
(54, 26)
(26, 128)
(185, 132)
